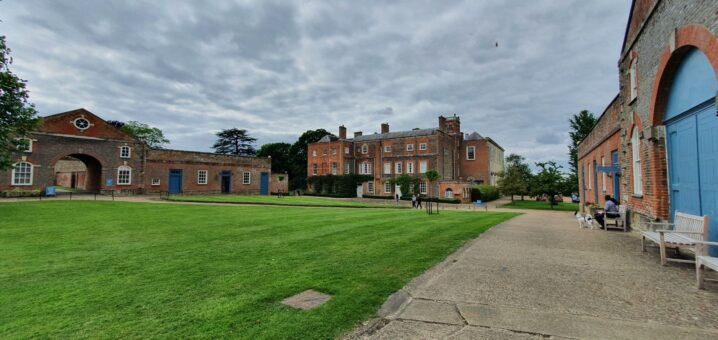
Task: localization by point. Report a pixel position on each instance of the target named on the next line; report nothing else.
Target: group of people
(416, 202)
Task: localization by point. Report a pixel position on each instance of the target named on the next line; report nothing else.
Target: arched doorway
(691, 130)
(78, 172)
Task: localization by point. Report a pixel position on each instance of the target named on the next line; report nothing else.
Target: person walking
(413, 201)
(418, 202)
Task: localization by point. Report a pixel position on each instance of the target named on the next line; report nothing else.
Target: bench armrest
(679, 232)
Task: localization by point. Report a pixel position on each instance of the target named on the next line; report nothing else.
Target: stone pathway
(539, 276)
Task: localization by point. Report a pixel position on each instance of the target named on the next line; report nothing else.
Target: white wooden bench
(685, 230)
(704, 261)
(615, 222)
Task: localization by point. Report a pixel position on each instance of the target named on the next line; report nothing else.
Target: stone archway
(79, 172)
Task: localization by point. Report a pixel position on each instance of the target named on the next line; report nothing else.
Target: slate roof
(474, 136)
(397, 134)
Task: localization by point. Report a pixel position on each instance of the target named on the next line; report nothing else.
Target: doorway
(78, 173)
(226, 182)
(175, 182)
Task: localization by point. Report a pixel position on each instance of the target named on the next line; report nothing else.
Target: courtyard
(118, 269)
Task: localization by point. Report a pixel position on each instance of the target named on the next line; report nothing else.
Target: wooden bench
(704, 261)
(618, 222)
(685, 230)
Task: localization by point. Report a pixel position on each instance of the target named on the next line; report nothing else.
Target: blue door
(595, 182)
(707, 122)
(264, 184)
(175, 182)
(616, 176)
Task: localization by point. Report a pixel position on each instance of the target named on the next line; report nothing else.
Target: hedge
(408, 198)
(341, 185)
(485, 193)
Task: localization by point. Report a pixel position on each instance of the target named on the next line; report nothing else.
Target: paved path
(539, 276)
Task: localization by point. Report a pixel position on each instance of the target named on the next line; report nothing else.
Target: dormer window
(125, 151)
(364, 149)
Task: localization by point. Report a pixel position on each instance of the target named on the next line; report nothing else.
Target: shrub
(341, 186)
(486, 193)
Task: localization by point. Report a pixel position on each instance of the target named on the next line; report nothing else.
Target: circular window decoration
(81, 123)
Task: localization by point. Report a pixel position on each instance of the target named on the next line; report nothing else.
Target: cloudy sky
(280, 68)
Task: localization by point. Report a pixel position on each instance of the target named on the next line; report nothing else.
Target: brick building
(79, 150)
(461, 160)
(664, 115)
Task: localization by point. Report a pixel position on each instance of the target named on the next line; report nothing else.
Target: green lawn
(74, 269)
(274, 200)
(541, 206)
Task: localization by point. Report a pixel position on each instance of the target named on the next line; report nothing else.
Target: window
(314, 169)
(409, 167)
(398, 167)
(422, 146)
(603, 174)
(365, 169)
(449, 193)
(124, 175)
(155, 181)
(422, 187)
(346, 150)
(314, 153)
(27, 147)
(347, 168)
(334, 151)
(589, 176)
(387, 148)
(125, 151)
(22, 174)
(410, 147)
(370, 187)
(202, 177)
(387, 168)
(387, 187)
(364, 148)
(334, 168)
(471, 153)
(411, 188)
(422, 167)
(324, 151)
(636, 153)
(247, 177)
(633, 79)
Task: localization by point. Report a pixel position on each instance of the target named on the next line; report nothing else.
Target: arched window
(449, 193)
(124, 175)
(22, 174)
(636, 156)
(364, 148)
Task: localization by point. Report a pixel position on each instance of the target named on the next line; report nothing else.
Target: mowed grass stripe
(114, 269)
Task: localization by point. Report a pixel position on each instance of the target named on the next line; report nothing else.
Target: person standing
(418, 202)
(413, 201)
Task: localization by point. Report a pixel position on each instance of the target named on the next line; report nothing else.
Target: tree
(548, 181)
(298, 157)
(581, 125)
(409, 184)
(151, 136)
(19, 117)
(279, 152)
(517, 177)
(235, 142)
(432, 176)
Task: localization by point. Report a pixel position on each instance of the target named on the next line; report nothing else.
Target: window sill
(637, 195)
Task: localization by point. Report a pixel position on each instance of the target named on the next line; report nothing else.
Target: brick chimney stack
(342, 132)
(384, 127)
(357, 134)
(442, 123)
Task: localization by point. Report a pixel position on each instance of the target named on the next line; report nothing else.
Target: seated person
(610, 210)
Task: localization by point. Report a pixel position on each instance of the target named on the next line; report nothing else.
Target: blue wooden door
(707, 123)
(264, 184)
(616, 176)
(683, 165)
(175, 182)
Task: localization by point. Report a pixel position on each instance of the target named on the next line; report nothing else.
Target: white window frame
(246, 177)
(121, 169)
(636, 158)
(334, 151)
(387, 187)
(14, 179)
(364, 168)
(334, 168)
(347, 168)
(364, 149)
(422, 187)
(398, 167)
(155, 181)
(122, 151)
(387, 168)
(410, 167)
(603, 174)
(422, 167)
(633, 79)
(469, 151)
(387, 148)
(410, 147)
(346, 150)
(29, 145)
(314, 169)
(325, 152)
(422, 146)
(199, 176)
(370, 187)
(446, 193)
(314, 153)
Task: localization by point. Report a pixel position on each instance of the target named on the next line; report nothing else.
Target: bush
(21, 193)
(486, 193)
(341, 186)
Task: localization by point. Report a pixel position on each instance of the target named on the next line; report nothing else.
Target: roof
(327, 139)
(474, 136)
(398, 134)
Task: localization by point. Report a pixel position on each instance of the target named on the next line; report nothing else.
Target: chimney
(384, 127)
(442, 123)
(342, 132)
(357, 134)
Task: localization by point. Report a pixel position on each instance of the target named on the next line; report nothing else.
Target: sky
(514, 71)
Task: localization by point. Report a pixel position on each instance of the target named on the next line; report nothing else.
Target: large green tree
(548, 181)
(235, 142)
(581, 125)
(149, 135)
(517, 177)
(298, 157)
(18, 116)
(280, 155)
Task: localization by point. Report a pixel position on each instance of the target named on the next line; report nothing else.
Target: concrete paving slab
(432, 311)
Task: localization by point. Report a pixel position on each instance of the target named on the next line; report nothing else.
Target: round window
(82, 123)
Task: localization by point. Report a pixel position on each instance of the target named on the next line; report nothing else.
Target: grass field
(76, 269)
(541, 206)
(274, 200)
